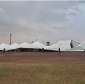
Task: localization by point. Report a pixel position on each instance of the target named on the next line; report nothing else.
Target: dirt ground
(42, 57)
(42, 68)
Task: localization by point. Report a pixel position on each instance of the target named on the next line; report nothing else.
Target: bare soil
(42, 57)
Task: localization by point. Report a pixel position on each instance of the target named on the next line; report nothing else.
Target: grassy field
(42, 68)
(12, 73)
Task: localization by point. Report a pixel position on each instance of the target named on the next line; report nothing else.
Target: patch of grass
(42, 73)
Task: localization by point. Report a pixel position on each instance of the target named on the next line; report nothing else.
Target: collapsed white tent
(14, 46)
(4, 46)
(63, 45)
(78, 48)
(75, 43)
(37, 45)
(82, 45)
(24, 45)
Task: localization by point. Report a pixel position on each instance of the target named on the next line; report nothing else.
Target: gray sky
(42, 20)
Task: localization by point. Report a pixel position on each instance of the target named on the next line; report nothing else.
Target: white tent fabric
(63, 45)
(82, 45)
(3, 45)
(75, 44)
(24, 45)
(78, 48)
(14, 46)
(37, 45)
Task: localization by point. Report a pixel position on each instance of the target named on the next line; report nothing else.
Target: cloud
(41, 0)
(45, 21)
(2, 10)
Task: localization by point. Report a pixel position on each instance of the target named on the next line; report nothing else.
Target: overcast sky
(42, 20)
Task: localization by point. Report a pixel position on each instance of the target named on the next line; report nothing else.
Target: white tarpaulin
(37, 45)
(4, 46)
(24, 45)
(64, 45)
(14, 46)
(78, 48)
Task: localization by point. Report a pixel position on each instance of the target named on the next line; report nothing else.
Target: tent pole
(10, 38)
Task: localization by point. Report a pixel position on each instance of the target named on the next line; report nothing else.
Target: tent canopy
(64, 45)
(24, 45)
(3, 45)
(37, 45)
(14, 46)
